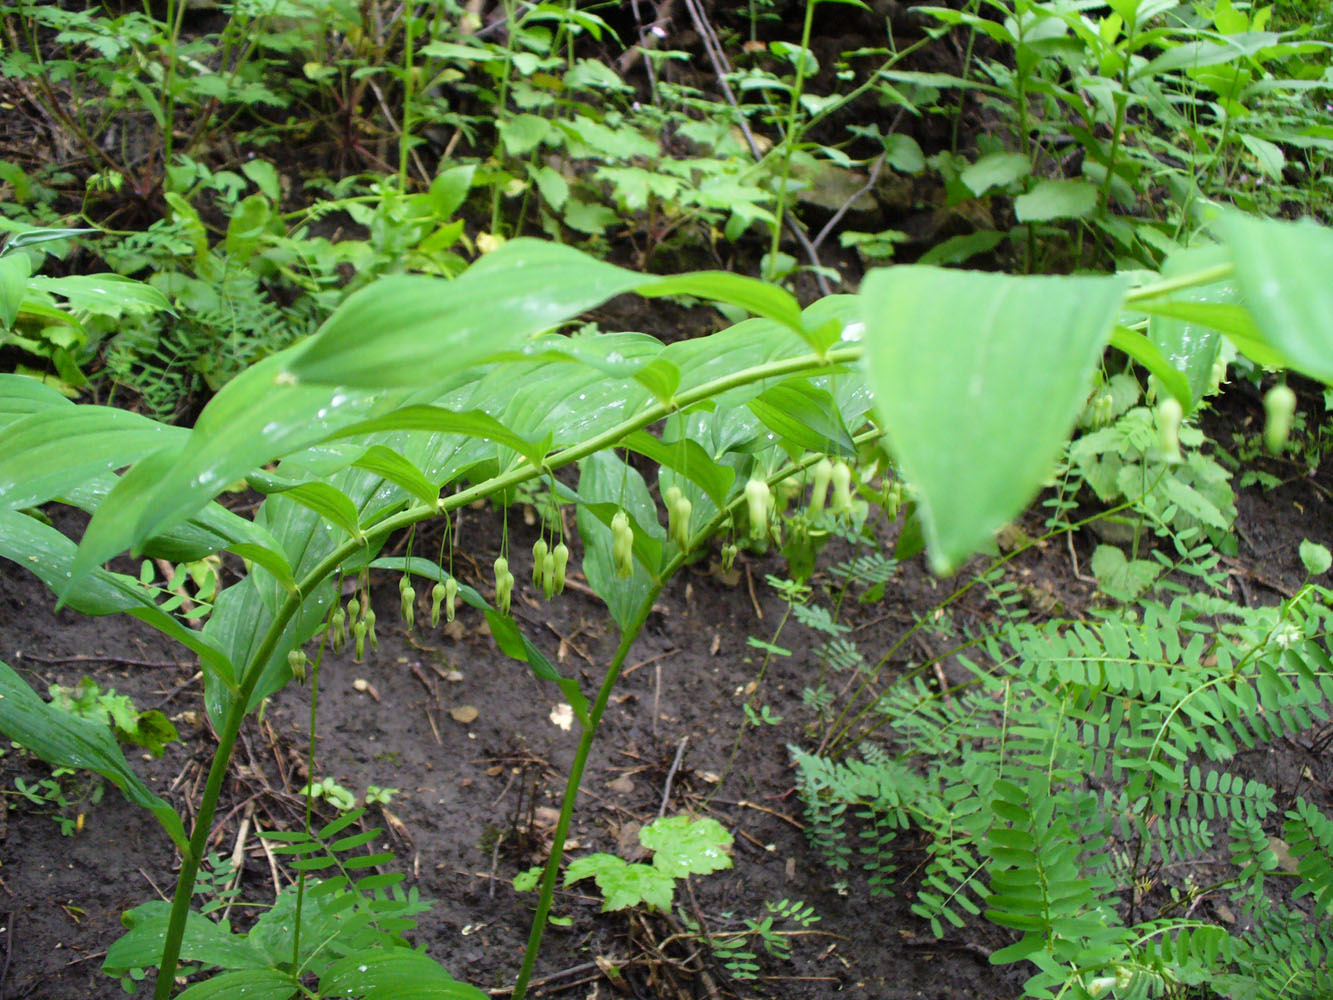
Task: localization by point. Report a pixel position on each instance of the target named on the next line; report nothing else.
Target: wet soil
(470, 740)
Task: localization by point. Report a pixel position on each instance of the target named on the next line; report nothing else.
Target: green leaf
(104, 294)
(1191, 347)
(411, 330)
(689, 460)
(978, 379)
(957, 249)
(1122, 578)
(330, 503)
(438, 420)
(45, 552)
(252, 984)
(1146, 353)
(449, 189)
(804, 415)
(683, 846)
(1282, 271)
(1056, 200)
(1315, 557)
(14, 273)
(624, 885)
(20, 396)
(64, 740)
(607, 484)
(994, 170)
(751, 294)
(396, 469)
(393, 974)
(49, 452)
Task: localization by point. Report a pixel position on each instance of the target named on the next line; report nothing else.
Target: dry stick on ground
(671, 776)
(573, 970)
(722, 69)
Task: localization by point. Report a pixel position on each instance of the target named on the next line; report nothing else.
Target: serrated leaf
(622, 884)
(952, 351)
(1121, 577)
(684, 846)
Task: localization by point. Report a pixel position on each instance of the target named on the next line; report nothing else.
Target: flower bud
(842, 490)
(370, 628)
(450, 598)
(548, 575)
(622, 545)
(823, 474)
(561, 557)
(436, 599)
(539, 553)
(359, 634)
(1279, 413)
(409, 605)
(757, 500)
(337, 627)
(296, 660)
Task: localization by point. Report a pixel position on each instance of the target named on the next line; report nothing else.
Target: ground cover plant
(367, 392)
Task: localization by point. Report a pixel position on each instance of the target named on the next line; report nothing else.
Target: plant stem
(792, 132)
(586, 738)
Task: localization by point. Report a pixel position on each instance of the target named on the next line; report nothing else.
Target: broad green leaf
(104, 294)
(1235, 322)
(957, 249)
(255, 418)
(330, 503)
(14, 272)
(1315, 557)
(1282, 271)
(1146, 353)
(607, 484)
(758, 297)
(20, 396)
(205, 942)
(65, 740)
(1056, 200)
(251, 984)
(994, 170)
(1191, 348)
(474, 423)
(684, 846)
(978, 379)
(804, 415)
(409, 330)
(395, 468)
(449, 189)
(1196, 54)
(393, 974)
(687, 459)
(49, 555)
(522, 133)
(49, 452)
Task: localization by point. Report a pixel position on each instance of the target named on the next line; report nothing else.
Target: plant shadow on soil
(478, 797)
